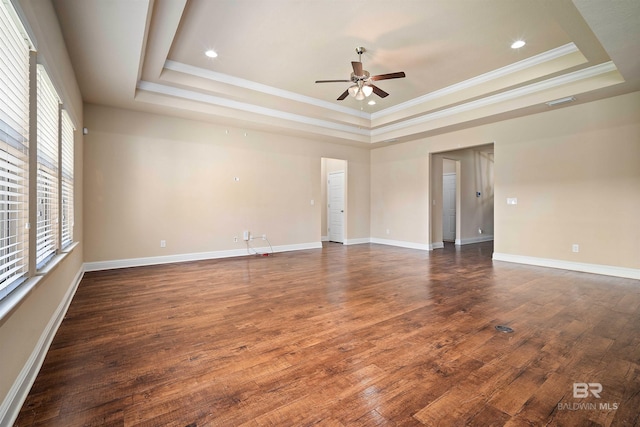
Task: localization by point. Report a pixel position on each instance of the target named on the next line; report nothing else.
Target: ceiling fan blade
(357, 68)
(344, 95)
(378, 91)
(333, 81)
(398, 75)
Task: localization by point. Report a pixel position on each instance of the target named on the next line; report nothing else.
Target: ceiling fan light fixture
(361, 86)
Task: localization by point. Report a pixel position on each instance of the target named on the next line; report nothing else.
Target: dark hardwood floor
(345, 336)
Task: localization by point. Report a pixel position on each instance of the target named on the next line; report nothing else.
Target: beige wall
(29, 322)
(577, 180)
(574, 170)
(152, 178)
(400, 193)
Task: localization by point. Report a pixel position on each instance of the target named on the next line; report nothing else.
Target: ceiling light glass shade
(368, 90)
(211, 53)
(360, 95)
(353, 90)
(517, 44)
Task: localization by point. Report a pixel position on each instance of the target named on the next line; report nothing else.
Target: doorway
(334, 194)
(462, 196)
(449, 211)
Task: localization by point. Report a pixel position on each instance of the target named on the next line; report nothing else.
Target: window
(14, 151)
(48, 111)
(67, 179)
(39, 210)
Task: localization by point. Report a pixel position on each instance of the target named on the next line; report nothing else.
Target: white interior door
(335, 208)
(449, 207)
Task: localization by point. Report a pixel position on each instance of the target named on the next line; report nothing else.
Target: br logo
(582, 390)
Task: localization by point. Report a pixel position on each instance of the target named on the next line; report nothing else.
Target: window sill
(13, 300)
(55, 260)
(69, 247)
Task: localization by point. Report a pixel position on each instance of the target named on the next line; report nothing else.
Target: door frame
(456, 206)
(435, 193)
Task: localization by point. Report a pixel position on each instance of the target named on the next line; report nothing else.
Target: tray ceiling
(460, 69)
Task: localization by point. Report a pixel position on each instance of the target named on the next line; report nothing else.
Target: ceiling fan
(362, 85)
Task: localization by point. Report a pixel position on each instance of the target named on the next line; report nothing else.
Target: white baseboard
(471, 240)
(607, 270)
(19, 391)
(409, 245)
(436, 245)
(169, 259)
(357, 241)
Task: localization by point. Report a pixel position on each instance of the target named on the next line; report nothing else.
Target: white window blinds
(67, 179)
(48, 110)
(14, 151)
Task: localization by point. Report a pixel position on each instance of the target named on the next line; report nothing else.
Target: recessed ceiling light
(372, 102)
(517, 44)
(211, 53)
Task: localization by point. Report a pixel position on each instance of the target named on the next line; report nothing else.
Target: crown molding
(533, 61)
(508, 95)
(259, 87)
(249, 108)
(585, 73)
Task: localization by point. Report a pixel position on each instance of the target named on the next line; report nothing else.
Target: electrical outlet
(163, 243)
(575, 247)
(235, 239)
(264, 237)
(245, 235)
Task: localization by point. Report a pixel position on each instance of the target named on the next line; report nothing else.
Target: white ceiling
(460, 70)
